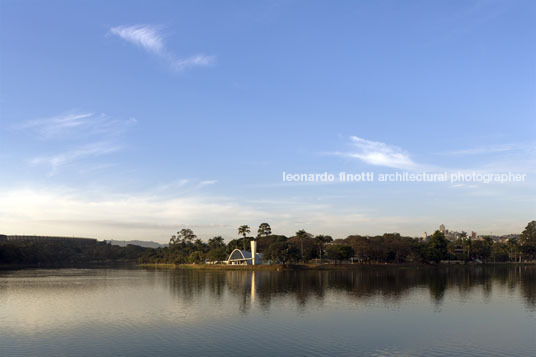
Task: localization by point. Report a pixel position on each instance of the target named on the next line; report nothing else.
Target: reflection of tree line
(389, 283)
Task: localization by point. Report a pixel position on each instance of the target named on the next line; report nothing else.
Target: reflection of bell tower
(253, 251)
(252, 286)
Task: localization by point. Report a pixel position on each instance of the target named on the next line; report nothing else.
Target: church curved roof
(239, 254)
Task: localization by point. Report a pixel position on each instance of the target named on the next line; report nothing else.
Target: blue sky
(130, 120)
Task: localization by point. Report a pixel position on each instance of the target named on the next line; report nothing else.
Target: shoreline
(301, 267)
(261, 267)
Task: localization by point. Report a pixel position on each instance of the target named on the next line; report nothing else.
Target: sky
(135, 119)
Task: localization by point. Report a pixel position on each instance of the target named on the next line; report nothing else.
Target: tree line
(185, 247)
(50, 253)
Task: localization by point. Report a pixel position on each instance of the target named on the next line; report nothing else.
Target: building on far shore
(46, 239)
(442, 228)
(243, 257)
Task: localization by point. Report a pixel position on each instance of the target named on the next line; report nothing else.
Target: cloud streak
(57, 160)
(197, 60)
(52, 126)
(64, 211)
(500, 158)
(73, 123)
(77, 136)
(379, 154)
(150, 39)
(146, 37)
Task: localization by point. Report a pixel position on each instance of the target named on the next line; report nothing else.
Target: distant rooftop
(5, 237)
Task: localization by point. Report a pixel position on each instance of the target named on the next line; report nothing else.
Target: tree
(514, 249)
(527, 240)
(243, 231)
(184, 236)
(321, 240)
(346, 252)
(217, 254)
(200, 246)
(264, 230)
(362, 247)
(500, 252)
(481, 249)
(436, 248)
(196, 257)
(216, 242)
(301, 235)
(282, 252)
(264, 242)
(339, 252)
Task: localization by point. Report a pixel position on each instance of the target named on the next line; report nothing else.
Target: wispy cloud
(69, 124)
(208, 182)
(181, 186)
(197, 60)
(379, 154)
(76, 136)
(499, 158)
(52, 126)
(67, 211)
(147, 37)
(151, 39)
(493, 149)
(57, 160)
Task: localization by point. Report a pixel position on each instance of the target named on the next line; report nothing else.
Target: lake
(370, 311)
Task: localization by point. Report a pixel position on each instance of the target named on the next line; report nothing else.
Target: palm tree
(301, 234)
(321, 240)
(216, 242)
(243, 231)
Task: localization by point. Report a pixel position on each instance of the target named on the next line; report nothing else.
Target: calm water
(474, 311)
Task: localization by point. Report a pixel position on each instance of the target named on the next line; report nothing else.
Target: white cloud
(197, 60)
(151, 39)
(52, 126)
(147, 37)
(76, 136)
(208, 182)
(182, 186)
(72, 123)
(152, 216)
(57, 160)
(380, 154)
(119, 216)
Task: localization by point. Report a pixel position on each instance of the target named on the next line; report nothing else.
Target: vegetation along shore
(275, 252)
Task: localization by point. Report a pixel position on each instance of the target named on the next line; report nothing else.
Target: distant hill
(140, 243)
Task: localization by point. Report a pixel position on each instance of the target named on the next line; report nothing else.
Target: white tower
(253, 251)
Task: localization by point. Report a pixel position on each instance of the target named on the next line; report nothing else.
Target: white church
(243, 257)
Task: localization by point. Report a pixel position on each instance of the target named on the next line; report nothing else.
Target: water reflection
(391, 284)
(154, 312)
